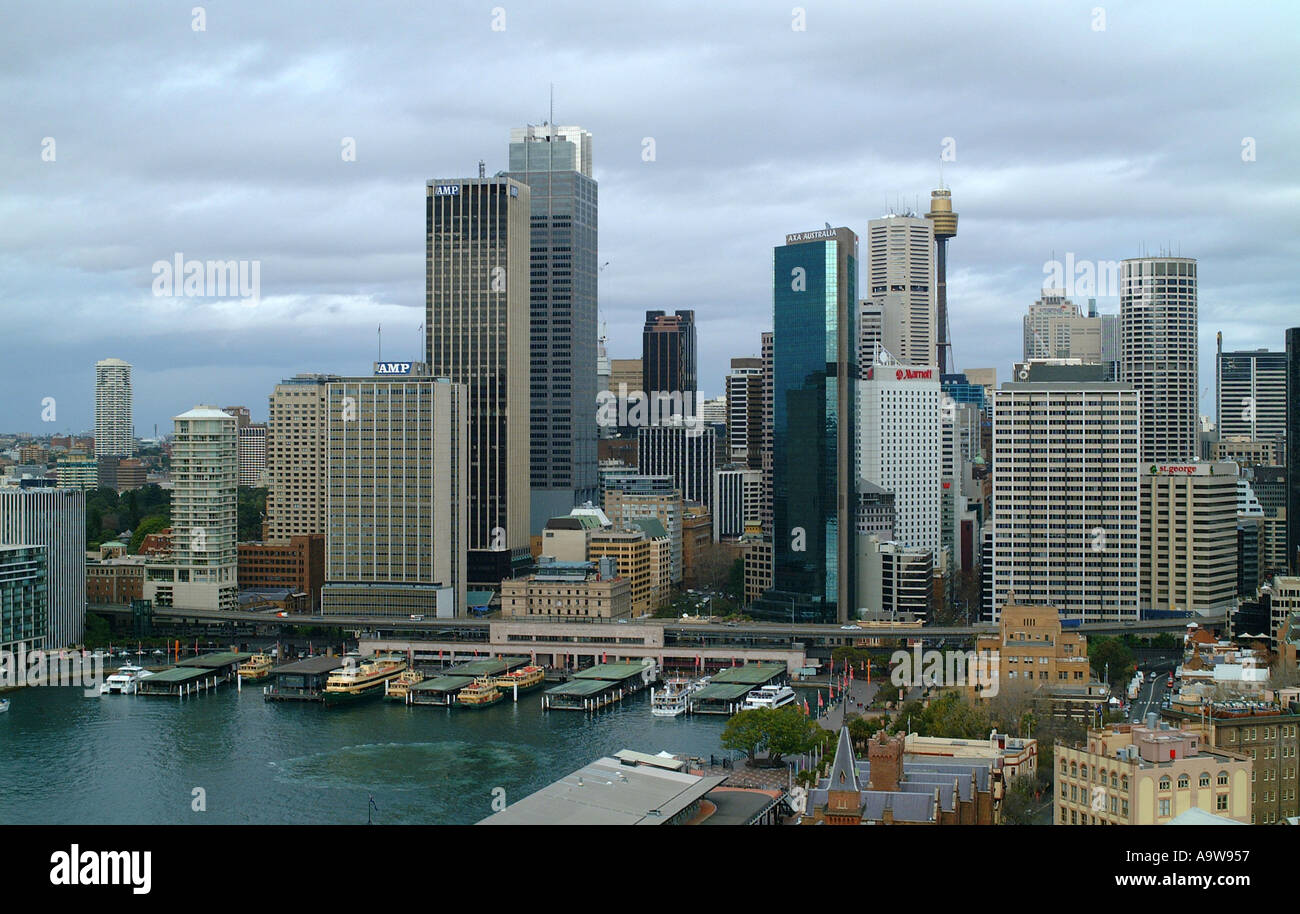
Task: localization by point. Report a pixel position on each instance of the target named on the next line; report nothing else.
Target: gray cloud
(225, 144)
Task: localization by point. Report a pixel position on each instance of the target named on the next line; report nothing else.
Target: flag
(805, 706)
(850, 674)
(819, 699)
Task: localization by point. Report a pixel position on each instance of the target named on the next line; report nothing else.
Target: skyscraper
(1251, 395)
(114, 436)
(202, 570)
(900, 288)
(745, 412)
(899, 446)
(814, 477)
(295, 457)
(555, 162)
(684, 452)
(1066, 499)
(668, 362)
(56, 520)
(1158, 352)
(1293, 448)
(396, 502)
(477, 325)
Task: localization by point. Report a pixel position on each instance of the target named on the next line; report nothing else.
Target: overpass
(753, 636)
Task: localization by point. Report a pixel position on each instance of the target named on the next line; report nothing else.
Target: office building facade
(669, 362)
(1066, 498)
(1189, 537)
(899, 308)
(24, 599)
(1252, 397)
(55, 519)
(397, 504)
(478, 326)
(555, 163)
(814, 409)
(1158, 343)
(295, 457)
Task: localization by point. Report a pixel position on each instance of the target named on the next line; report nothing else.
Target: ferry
(525, 678)
(768, 697)
(479, 694)
(124, 681)
(396, 689)
(256, 667)
(361, 678)
(671, 700)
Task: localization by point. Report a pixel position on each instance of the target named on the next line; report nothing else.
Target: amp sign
(389, 368)
(446, 190)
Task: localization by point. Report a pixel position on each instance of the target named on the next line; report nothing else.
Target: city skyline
(1123, 167)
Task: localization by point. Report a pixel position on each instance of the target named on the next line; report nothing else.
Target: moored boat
(125, 681)
(670, 701)
(359, 678)
(256, 667)
(772, 696)
(396, 689)
(4, 705)
(479, 694)
(525, 679)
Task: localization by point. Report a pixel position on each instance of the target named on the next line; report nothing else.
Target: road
(1152, 692)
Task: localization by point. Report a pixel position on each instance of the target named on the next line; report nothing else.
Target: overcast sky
(226, 144)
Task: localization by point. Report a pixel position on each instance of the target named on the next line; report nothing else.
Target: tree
(1111, 657)
(251, 509)
(745, 732)
(144, 528)
(1019, 800)
(788, 731)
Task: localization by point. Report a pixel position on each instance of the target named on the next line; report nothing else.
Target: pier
(303, 680)
(599, 686)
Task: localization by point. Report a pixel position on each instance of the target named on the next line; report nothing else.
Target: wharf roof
(212, 661)
(752, 673)
(609, 792)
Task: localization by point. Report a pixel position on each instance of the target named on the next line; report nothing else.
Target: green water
(68, 759)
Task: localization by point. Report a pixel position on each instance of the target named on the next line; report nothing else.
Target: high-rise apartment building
(814, 409)
(114, 432)
(396, 506)
(668, 362)
(478, 325)
(1158, 353)
(252, 454)
(56, 520)
(295, 457)
(202, 570)
(555, 163)
(900, 288)
(1189, 537)
(1252, 396)
(1066, 498)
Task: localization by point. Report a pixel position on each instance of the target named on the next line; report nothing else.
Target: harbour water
(68, 759)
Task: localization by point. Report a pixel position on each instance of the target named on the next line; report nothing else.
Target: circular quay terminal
(428, 417)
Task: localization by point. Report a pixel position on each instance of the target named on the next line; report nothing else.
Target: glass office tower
(555, 162)
(815, 279)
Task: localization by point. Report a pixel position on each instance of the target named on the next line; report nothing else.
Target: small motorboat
(4, 705)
